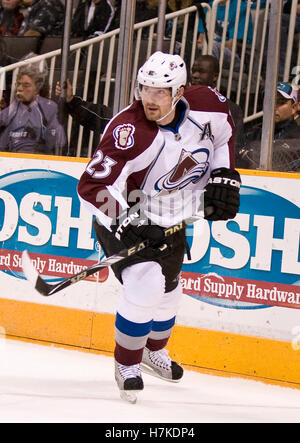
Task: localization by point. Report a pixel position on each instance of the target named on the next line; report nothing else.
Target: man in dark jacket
(286, 109)
(93, 116)
(92, 18)
(285, 156)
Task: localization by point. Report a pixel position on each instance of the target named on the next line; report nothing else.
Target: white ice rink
(46, 384)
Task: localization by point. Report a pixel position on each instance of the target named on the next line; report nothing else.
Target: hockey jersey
(168, 165)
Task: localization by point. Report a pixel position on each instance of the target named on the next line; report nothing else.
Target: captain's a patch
(123, 135)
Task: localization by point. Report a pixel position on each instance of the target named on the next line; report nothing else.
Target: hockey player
(168, 142)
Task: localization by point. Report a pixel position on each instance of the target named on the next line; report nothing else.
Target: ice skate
(159, 364)
(129, 381)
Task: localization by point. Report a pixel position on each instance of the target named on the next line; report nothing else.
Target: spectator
(285, 112)
(10, 17)
(297, 115)
(285, 156)
(90, 115)
(286, 109)
(92, 18)
(30, 123)
(216, 50)
(205, 71)
(43, 18)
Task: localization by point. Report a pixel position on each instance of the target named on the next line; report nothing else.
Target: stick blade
(33, 276)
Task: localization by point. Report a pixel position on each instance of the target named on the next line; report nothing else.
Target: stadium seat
(18, 47)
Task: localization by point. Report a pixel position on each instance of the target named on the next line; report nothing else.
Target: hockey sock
(130, 338)
(160, 334)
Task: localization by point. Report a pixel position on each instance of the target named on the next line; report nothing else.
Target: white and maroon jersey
(137, 154)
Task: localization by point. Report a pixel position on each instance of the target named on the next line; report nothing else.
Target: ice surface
(46, 384)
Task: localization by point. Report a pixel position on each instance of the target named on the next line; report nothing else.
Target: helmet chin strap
(174, 102)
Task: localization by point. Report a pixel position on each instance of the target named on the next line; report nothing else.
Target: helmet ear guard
(137, 90)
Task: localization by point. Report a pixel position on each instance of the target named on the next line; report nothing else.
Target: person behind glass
(285, 112)
(29, 124)
(10, 17)
(285, 153)
(205, 71)
(297, 115)
(93, 116)
(92, 18)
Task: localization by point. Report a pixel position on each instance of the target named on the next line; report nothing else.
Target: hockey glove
(222, 194)
(132, 228)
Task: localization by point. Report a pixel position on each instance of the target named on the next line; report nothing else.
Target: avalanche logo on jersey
(187, 170)
(123, 135)
(218, 94)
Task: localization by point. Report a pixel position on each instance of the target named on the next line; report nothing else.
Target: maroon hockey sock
(127, 357)
(156, 345)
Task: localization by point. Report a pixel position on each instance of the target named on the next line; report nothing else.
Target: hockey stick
(47, 289)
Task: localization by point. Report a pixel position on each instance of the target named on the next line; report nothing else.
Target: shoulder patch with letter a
(207, 132)
(123, 135)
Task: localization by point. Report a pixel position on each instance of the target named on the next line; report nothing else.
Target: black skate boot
(159, 364)
(129, 380)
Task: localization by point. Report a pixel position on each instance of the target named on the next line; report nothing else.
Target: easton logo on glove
(225, 181)
(133, 227)
(222, 194)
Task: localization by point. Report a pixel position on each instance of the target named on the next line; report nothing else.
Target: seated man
(285, 156)
(286, 109)
(30, 123)
(297, 115)
(92, 18)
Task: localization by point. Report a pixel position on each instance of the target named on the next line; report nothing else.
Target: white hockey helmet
(162, 71)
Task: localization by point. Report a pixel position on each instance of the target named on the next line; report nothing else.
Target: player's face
(157, 102)
(285, 109)
(26, 89)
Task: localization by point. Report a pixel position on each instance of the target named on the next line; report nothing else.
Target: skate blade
(148, 370)
(130, 396)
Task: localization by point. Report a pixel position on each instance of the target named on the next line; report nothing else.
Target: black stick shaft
(47, 289)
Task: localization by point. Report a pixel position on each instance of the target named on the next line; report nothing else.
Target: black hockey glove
(133, 227)
(222, 194)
